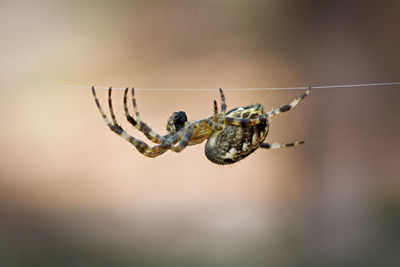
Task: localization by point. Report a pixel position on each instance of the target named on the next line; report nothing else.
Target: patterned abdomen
(234, 143)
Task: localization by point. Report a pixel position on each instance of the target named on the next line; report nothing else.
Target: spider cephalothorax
(231, 136)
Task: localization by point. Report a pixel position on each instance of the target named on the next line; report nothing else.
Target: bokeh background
(72, 193)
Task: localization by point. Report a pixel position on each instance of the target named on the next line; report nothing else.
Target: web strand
(229, 89)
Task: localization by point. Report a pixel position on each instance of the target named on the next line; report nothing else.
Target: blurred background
(72, 193)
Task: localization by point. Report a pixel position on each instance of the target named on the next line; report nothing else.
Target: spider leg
(100, 108)
(141, 146)
(288, 107)
(159, 149)
(128, 116)
(223, 104)
(215, 108)
(184, 141)
(111, 107)
(156, 150)
(139, 124)
(135, 108)
(276, 146)
(244, 122)
(115, 128)
(211, 124)
(144, 148)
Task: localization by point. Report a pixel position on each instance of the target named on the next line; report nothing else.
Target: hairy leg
(244, 122)
(277, 146)
(139, 124)
(141, 146)
(215, 108)
(288, 107)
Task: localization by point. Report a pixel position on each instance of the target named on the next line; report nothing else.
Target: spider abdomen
(234, 143)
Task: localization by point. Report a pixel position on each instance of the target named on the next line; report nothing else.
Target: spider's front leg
(187, 137)
(139, 124)
(196, 132)
(160, 149)
(141, 146)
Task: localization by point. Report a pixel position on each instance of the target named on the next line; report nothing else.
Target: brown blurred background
(72, 193)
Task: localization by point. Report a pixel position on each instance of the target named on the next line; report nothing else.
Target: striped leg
(188, 134)
(139, 124)
(113, 126)
(294, 103)
(206, 127)
(141, 146)
(145, 149)
(185, 139)
(223, 104)
(276, 146)
(215, 108)
(251, 122)
(111, 108)
(100, 108)
(244, 122)
(131, 120)
(157, 150)
(210, 124)
(135, 108)
(184, 136)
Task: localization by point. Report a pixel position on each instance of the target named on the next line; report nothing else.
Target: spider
(231, 136)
